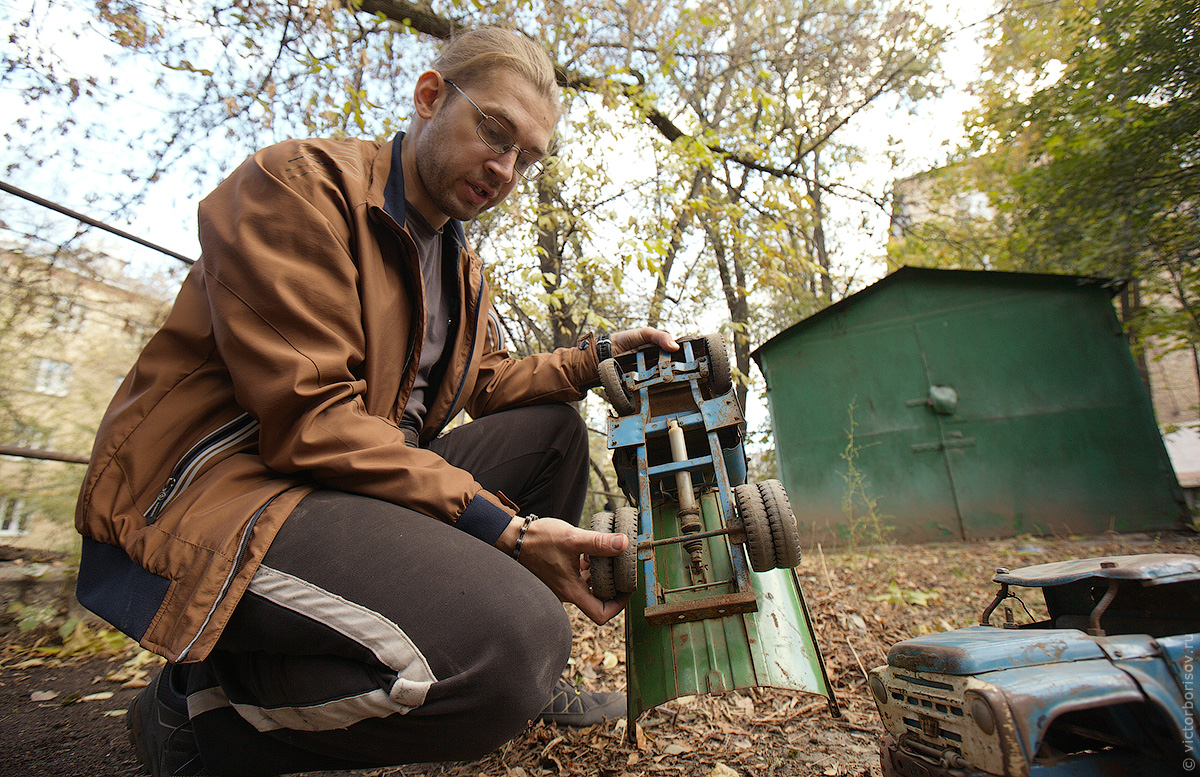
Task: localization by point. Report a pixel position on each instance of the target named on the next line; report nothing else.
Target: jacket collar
(393, 195)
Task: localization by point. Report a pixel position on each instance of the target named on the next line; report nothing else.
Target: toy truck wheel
(719, 376)
(625, 521)
(614, 387)
(784, 532)
(615, 575)
(760, 545)
(603, 585)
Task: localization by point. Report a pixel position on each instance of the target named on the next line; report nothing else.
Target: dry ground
(64, 715)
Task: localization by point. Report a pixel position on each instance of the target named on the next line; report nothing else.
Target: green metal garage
(984, 404)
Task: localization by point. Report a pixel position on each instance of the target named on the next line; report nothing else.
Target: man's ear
(429, 93)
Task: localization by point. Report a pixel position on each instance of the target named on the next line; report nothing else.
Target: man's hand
(557, 552)
(630, 339)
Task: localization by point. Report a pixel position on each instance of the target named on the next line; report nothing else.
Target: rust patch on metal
(701, 609)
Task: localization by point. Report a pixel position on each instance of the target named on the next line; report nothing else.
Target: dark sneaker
(159, 727)
(571, 706)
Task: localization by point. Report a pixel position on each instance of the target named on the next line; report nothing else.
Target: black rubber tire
(760, 546)
(625, 565)
(720, 379)
(614, 388)
(784, 531)
(603, 586)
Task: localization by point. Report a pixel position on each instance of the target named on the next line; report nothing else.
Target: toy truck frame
(718, 606)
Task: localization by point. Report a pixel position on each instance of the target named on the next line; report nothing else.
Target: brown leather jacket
(285, 366)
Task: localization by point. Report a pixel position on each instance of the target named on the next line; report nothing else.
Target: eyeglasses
(530, 165)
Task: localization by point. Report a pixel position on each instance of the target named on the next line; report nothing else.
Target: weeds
(906, 596)
(865, 525)
(70, 637)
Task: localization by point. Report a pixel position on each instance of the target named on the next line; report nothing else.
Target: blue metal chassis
(711, 415)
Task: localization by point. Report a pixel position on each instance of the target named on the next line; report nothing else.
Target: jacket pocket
(231, 435)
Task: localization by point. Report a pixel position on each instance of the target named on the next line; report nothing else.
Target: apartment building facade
(71, 326)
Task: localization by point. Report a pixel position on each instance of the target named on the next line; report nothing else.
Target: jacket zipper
(470, 357)
(231, 434)
(240, 557)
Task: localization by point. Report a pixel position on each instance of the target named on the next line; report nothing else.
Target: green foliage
(71, 636)
(80, 639)
(30, 617)
(1104, 160)
(1086, 147)
(901, 597)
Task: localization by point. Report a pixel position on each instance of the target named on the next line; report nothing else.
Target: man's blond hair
(472, 57)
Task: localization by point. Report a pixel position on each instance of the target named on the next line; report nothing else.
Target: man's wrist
(512, 539)
(508, 538)
(516, 551)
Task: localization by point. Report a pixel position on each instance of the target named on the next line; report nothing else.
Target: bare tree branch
(422, 18)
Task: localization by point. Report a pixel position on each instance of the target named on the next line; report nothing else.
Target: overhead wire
(33, 453)
(15, 191)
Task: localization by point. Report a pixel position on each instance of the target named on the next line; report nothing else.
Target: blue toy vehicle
(715, 604)
(1105, 684)
(677, 434)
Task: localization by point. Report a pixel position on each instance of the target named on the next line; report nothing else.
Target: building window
(66, 314)
(29, 436)
(14, 518)
(51, 377)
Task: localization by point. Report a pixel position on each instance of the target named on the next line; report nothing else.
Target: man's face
(460, 174)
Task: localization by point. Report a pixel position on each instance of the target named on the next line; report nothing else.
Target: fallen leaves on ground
(860, 606)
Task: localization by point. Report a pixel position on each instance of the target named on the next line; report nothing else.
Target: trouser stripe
(385, 639)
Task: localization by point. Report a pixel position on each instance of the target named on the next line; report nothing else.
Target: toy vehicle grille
(933, 721)
(937, 717)
(929, 711)
(948, 707)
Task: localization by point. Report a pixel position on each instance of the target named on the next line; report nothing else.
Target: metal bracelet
(516, 551)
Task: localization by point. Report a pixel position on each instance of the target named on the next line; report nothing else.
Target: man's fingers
(595, 543)
(629, 339)
(664, 340)
(557, 552)
(600, 612)
(611, 608)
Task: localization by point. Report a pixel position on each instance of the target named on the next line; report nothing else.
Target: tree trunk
(550, 261)
(1131, 310)
(733, 284)
(677, 230)
(818, 234)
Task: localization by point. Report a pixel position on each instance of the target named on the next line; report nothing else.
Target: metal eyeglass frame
(503, 142)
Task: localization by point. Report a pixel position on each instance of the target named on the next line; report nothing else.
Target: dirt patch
(63, 716)
(60, 717)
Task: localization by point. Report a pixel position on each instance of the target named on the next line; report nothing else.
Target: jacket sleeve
(283, 285)
(562, 375)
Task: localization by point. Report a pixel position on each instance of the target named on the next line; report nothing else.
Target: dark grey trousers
(374, 635)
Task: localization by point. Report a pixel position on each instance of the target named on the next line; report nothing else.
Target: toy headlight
(981, 712)
(878, 689)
